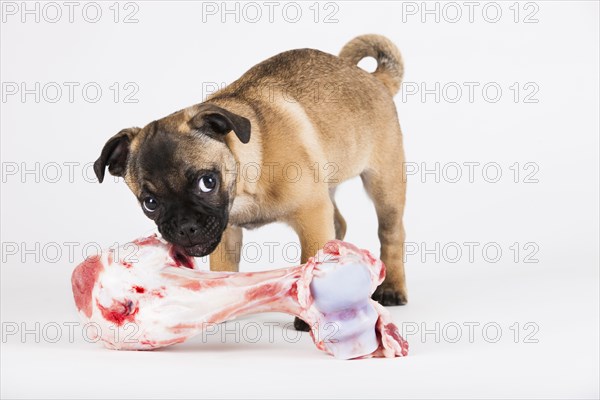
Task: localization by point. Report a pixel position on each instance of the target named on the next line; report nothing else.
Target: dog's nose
(188, 230)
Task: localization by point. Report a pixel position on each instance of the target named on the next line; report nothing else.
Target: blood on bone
(262, 291)
(180, 327)
(192, 285)
(119, 312)
(170, 299)
(392, 330)
(293, 292)
(147, 241)
(265, 295)
(154, 344)
(332, 248)
(181, 260)
(83, 283)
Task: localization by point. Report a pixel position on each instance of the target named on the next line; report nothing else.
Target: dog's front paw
(390, 296)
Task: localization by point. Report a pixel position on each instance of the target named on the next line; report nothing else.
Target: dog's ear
(216, 120)
(114, 154)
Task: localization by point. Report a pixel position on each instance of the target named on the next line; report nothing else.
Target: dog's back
(351, 110)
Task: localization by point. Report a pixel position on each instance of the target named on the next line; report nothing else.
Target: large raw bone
(157, 297)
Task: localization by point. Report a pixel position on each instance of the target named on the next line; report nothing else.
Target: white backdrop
(500, 118)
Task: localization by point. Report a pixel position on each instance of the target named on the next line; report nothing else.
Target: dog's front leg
(314, 224)
(226, 256)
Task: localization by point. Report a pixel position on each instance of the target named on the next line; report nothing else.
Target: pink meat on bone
(160, 290)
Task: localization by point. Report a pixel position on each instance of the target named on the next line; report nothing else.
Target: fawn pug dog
(297, 113)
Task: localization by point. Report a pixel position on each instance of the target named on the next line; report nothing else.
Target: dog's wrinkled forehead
(160, 153)
(167, 156)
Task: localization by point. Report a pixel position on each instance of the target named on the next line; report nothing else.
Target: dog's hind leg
(386, 186)
(338, 219)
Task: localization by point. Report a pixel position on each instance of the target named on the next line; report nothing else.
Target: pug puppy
(273, 146)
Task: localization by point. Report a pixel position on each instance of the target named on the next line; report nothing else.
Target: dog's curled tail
(390, 68)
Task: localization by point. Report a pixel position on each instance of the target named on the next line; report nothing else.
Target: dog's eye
(150, 204)
(207, 183)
